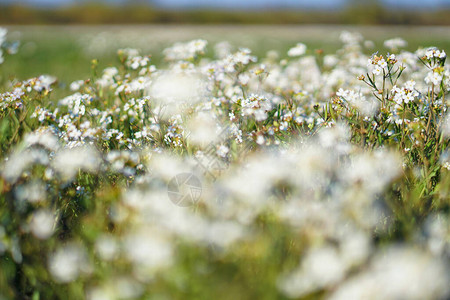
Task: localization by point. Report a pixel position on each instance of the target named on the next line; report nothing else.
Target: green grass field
(66, 51)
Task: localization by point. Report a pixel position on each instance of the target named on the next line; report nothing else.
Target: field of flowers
(224, 175)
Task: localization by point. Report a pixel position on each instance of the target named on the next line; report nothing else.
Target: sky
(242, 4)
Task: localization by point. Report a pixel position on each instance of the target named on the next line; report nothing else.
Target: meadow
(250, 162)
(66, 51)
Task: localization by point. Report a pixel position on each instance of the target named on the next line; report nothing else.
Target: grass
(67, 51)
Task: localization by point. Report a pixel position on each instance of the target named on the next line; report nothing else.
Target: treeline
(141, 14)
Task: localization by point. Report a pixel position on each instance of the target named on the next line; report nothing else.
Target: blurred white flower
(68, 162)
(68, 262)
(34, 191)
(107, 247)
(44, 138)
(203, 128)
(148, 251)
(298, 50)
(373, 171)
(42, 223)
(398, 273)
(20, 161)
(395, 44)
(185, 51)
(319, 268)
(172, 90)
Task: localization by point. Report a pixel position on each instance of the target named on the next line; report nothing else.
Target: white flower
(377, 70)
(68, 262)
(395, 44)
(42, 223)
(433, 77)
(398, 273)
(243, 79)
(76, 85)
(34, 191)
(222, 151)
(319, 268)
(260, 140)
(298, 50)
(185, 51)
(68, 162)
(410, 85)
(44, 138)
(148, 251)
(260, 115)
(382, 63)
(330, 60)
(175, 87)
(106, 246)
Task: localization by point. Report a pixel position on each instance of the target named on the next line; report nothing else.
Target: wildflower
(68, 262)
(185, 51)
(222, 151)
(243, 79)
(76, 85)
(34, 191)
(107, 247)
(298, 50)
(434, 77)
(435, 53)
(395, 44)
(391, 274)
(377, 70)
(406, 94)
(148, 252)
(320, 267)
(260, 140)
(173, 87)
(68, 162)
(382, 63)
(43, 223)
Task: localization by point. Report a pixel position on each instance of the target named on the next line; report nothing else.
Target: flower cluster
(395, 44)
(185, 51)
(435, 53)
(405, 94)
(298, 50)
(379, 63)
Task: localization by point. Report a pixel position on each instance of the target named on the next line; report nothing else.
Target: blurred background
(61, 37)
(418, 12)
